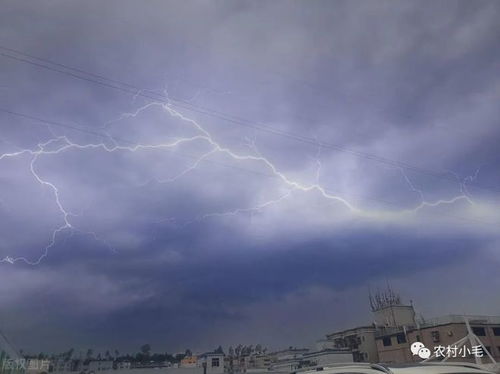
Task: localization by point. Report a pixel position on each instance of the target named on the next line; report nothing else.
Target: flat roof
(342, 332)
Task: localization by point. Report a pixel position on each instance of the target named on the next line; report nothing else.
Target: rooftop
(351, 330)
(456, 318)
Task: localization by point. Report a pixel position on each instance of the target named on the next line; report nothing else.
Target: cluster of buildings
(282, 361)
(395, 328)
(207, 363)
(388, 339)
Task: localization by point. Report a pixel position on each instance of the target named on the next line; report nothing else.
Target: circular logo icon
(424, 353)
(415, 347)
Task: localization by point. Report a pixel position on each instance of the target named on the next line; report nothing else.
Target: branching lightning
(60, 144)
(424, 203)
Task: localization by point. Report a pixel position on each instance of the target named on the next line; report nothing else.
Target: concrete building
(388, 313)
(394, 316)
(290, 353)
(212, 363)
(393, 344)
(395, 328)
(189, 362)
(122, 365)
(261, 361)
(359, 340)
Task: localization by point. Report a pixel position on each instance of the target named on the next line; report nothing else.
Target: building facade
(360, 341)
(212, 363)
(394, 344)
(389, 314)
(189, 362)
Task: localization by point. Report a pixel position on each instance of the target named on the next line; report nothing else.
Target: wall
(395, 316)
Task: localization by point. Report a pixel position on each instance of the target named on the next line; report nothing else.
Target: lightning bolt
(60, 144)
(423, 203)
(255, 209)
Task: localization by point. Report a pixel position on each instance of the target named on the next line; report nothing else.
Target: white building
(123, 365)
(212, 363)
(360, 340)
(291, 354)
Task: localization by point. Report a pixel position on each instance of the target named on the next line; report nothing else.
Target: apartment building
(393, 345)
(389, 313)
(359, 340)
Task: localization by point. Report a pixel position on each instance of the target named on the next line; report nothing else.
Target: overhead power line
(150, 95)
(47, 122)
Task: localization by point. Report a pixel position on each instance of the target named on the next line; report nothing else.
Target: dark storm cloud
(176, 257)
(177, 293)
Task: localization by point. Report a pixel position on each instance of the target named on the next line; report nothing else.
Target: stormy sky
(196, 173)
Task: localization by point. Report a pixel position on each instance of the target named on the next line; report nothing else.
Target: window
(386, 341)
(496, 331)
(215, 362)
(479, 331)
(401, 338)
(435, 336)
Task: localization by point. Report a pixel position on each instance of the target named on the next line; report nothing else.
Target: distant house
(212, 363)
(189, 362)
(261, 361)
(123, 365)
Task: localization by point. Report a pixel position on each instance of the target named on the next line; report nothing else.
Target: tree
(188, 353)
(89, 354)
(146, 349)
(219, 350)
(238, 350)
(67, 355)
